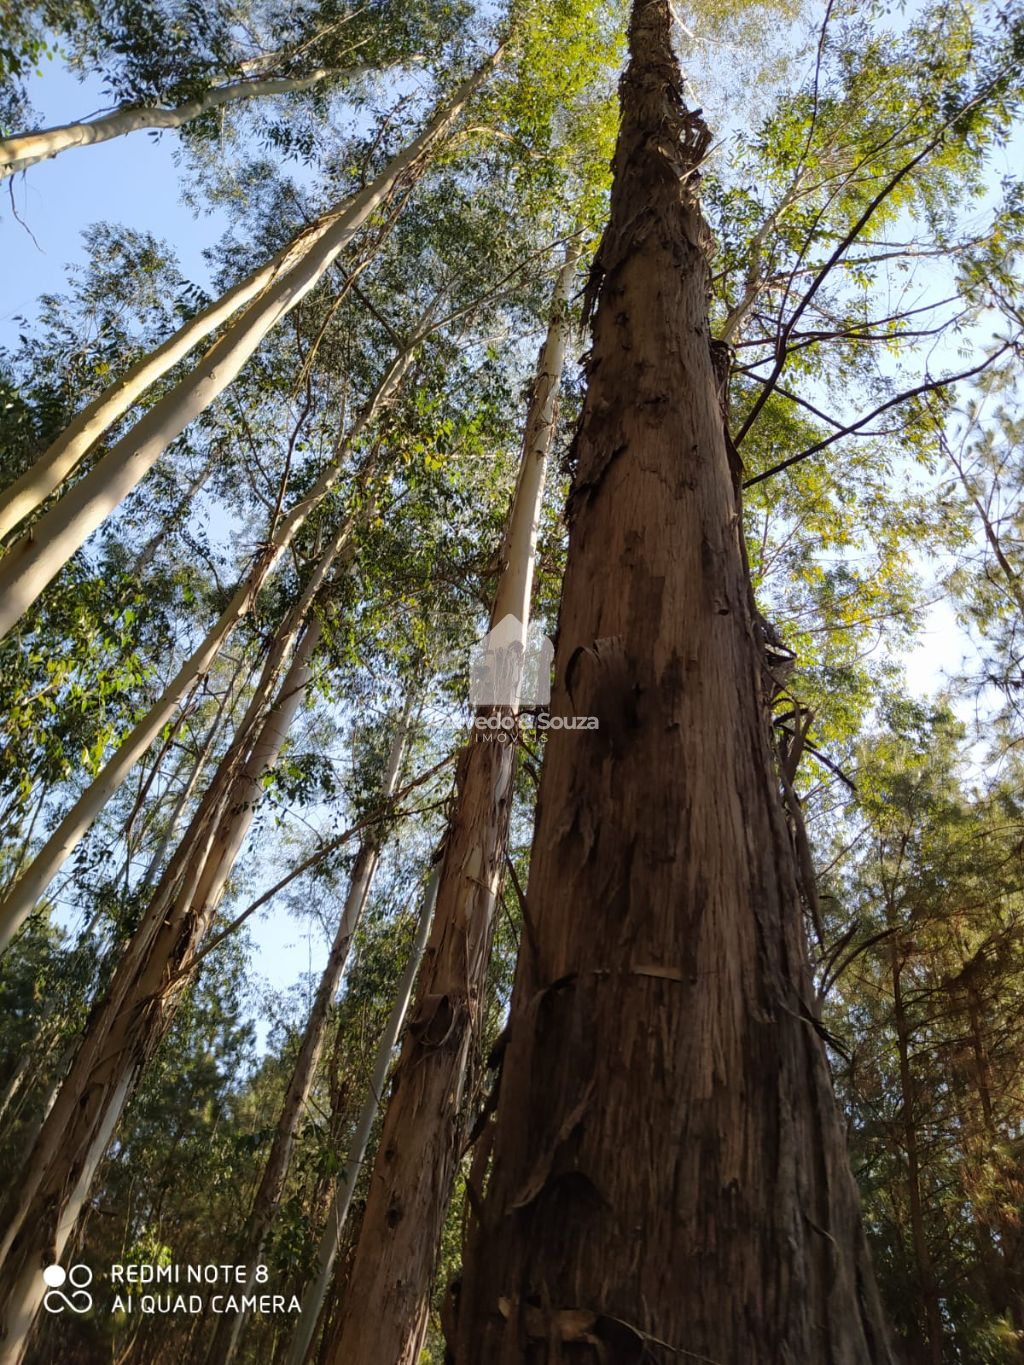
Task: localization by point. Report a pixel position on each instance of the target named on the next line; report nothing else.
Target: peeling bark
(669, 1178)
(42, 1210)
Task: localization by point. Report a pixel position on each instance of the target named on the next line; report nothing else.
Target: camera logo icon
(78, 1299)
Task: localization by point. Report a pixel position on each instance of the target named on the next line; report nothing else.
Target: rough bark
(38, 555)
(23, 896)
(224, 1339)
(424, 1128)
(42, 1210)
(316, 1291)
(669, 1180)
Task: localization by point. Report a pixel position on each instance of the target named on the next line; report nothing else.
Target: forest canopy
(511, 676)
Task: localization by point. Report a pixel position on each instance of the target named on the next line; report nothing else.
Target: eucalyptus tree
(142, 726)
(173, 65)
(186, 896)
(33, 560)
(661, 1011)
(182, 1147)
(173, 924)
(224, 1340)
(424, 1124)
(130, 1021)
(420, 1142)
(62, 842)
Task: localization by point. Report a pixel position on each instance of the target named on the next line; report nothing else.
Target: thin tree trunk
(199, 763)
(22, 150)
(669, 1179)
(129, 1024)
(225, 1337)
(423, 1128)
(31, 490)
(36, 557)
(316, 1291)
(929, 1349)
(22, 898)
(176, 519)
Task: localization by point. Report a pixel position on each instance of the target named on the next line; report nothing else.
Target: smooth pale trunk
(26, 1296)
(23, 897)
(34, 559)
(62, 457)
(245, 796)
(330, 1241)
(668, 1178)
(25, 149)
(226, 1334)
(199, 763)
(123, 1035)
(421, 1141)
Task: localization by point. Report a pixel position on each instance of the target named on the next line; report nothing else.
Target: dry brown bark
(669, 1180)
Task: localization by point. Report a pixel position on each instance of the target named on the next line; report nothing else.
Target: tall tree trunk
(669, 1179)
(929, 1349)
(42, 1212)
(23, 896)
(36, 557)
(316, 1291)
(223, 1341)
(22, 150)
(423, 1128)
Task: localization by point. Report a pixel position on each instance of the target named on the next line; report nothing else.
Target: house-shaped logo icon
(511, 666)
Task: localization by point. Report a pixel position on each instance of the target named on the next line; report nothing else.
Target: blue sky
(130, 180)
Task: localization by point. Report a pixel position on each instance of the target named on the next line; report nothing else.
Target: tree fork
(669, 1179)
